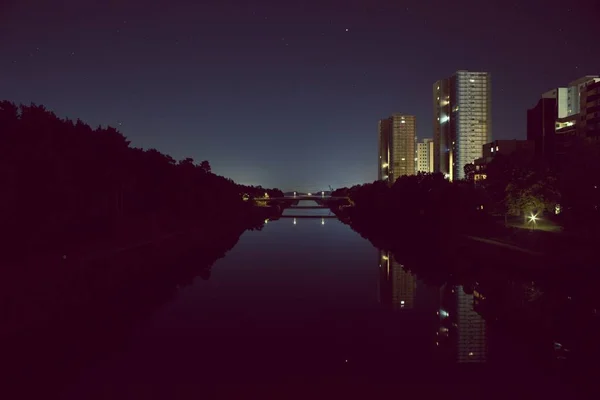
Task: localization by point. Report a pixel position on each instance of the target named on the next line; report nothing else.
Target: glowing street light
(322, 194)
(294, 194)
(310, 194)
(533, 219)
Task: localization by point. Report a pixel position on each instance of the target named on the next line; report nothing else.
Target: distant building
(396, 147)
(541, 121)
(506, 147)
(425, 156)
(462, 108)
(559, 117)
(589, 112)
(477, 171)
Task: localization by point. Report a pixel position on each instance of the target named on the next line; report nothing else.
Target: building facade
(559, 117)
(396, 147)
(477, 171)
(589, 112)
(462, 112)
(425, 156)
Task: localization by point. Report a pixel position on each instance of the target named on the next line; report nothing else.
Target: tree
(205, 166)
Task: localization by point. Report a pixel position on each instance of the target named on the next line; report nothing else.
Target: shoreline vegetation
(85, 216)
(439, 230)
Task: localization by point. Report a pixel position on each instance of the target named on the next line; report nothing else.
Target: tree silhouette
(66, 184)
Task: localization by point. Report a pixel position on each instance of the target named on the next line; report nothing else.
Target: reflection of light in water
(294, 221)
(322, 221)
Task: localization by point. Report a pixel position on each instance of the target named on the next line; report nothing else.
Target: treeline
(65, 183)
(568, 191)
(517, 185)
(413, 204)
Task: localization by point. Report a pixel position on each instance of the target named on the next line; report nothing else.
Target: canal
(307, 307)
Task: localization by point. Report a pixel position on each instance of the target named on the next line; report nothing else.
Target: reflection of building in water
(462, 331)
(397, 287)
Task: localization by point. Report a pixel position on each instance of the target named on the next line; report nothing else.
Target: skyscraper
(462, 120)
(396, 147)
(425, 156)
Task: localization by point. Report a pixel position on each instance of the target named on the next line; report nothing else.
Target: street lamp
(533, 219)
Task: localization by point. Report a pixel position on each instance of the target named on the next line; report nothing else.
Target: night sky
(284, 93)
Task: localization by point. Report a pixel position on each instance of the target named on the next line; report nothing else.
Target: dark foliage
(425, 202)
(66, 184)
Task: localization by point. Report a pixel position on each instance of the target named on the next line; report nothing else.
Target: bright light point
(322, 221)
(401, 301)
(471, 353)
(533, 218)
(385, 257)
(310, 194)
(471, 80)
(266, 221)
(347, 29)
(346, 360)
(384, 165)
(294, 221)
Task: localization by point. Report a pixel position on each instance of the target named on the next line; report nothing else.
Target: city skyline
(279, 95)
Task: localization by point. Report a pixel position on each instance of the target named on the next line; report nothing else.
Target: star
(347, 29)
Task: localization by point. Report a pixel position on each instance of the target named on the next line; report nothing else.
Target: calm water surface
(308, 304)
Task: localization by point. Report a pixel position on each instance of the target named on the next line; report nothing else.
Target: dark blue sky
(284, 93)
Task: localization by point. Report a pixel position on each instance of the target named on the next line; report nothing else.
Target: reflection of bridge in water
(309, 216)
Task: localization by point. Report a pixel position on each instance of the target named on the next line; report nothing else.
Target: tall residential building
(425, 156)
(589, 121)
(396, 147)
(462, 120)
(557, 118)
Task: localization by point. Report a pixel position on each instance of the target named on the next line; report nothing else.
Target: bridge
(303, 197)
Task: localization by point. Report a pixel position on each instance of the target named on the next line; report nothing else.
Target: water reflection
(297, 299)
(462, 332)
(397, 287)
